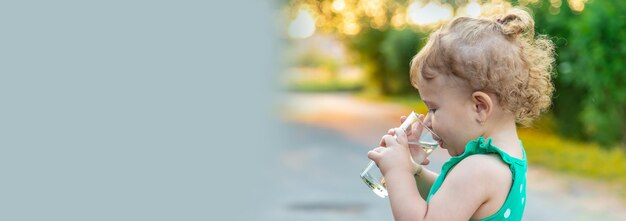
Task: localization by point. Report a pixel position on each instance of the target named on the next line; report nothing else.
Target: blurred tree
(386, 54)
(398, 49)
(590, 101)
(378, 35)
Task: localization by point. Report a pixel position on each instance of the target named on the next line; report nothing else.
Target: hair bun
(515, 22)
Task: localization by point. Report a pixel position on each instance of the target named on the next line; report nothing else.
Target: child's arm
(394, 161)
(424, 180)
(406, 202)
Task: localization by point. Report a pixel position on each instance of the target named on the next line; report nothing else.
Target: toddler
(479, 77)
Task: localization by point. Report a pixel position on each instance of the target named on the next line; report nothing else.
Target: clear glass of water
(372, 176)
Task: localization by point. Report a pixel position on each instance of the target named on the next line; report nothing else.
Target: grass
(580, 159)
(334, 86)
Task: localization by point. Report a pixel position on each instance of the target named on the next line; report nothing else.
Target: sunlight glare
(577, 5)
(429, 14)
(473, 9)
(303, 26)
(339, 5)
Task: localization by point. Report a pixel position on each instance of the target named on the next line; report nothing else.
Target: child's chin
(453, 153)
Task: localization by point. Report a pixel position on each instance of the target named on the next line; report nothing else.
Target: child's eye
(432, 110)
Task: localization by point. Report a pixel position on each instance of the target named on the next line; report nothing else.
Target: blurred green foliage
(590, 101)
(386, 54)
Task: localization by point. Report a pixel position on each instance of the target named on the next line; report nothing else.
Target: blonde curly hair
(500, 55)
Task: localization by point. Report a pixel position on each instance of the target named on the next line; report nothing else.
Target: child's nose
(428, 120)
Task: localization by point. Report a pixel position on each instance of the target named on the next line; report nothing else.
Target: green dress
(513, 207)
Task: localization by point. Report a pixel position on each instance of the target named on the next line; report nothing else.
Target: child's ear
(483, 105)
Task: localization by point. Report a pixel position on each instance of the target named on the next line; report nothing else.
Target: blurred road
(327, 139)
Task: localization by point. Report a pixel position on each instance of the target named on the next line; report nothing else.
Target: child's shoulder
(482, 177)
(488, 168)
(485, 175)
(484, 162)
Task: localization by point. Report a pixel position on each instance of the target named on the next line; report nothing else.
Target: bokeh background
(345, 77)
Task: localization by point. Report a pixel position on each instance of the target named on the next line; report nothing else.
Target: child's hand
(393, 153)
(418, 155)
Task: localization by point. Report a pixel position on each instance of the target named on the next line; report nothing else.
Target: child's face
(451, 113)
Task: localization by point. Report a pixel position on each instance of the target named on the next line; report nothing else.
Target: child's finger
(402, 119)
(375, 153)
(389, 140)
(401, 137)
(378, 149)
(382, 141)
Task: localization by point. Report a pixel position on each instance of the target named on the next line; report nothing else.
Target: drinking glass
(372, 176)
